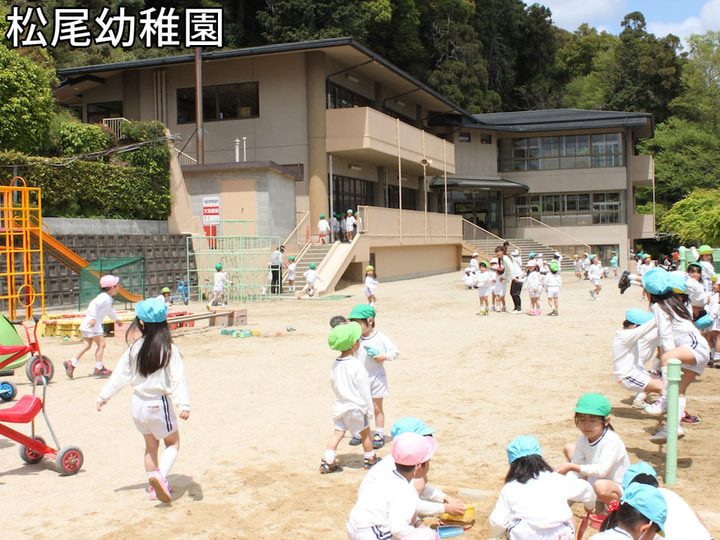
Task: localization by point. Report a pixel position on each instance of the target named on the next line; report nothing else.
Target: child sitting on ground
(639, 515)
(598, 455)
(353, 403)
(533, 503)
(469, 278)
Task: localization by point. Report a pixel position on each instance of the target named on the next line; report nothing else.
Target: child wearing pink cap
(533, 283)
(92, 327)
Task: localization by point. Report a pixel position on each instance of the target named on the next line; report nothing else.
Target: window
(409, 198)
(464, 136)
(485, 138)
(109, 109)
(351, 192)
(342, 98)
(567, 209)
(220, 102)
(563, 152)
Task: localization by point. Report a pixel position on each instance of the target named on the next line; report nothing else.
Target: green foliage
(696, 218)
(700, 100)
(78, 138)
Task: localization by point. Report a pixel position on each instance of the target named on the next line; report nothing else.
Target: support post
(674, 375)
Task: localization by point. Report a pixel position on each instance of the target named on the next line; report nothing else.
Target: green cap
(312, 266)
(343, 336)
(592, 403)
(218, 267)
(322, 216)
(291, 258)
(362, 311)
(705, 250)
(554, 266)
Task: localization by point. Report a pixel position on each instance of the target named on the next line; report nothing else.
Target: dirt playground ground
(248, 464)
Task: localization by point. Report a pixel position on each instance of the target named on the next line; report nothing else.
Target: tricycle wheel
(8, 390)
(39, 365)
(69, 460)
(28, 456)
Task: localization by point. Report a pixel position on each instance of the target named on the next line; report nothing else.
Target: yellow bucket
(467, 516)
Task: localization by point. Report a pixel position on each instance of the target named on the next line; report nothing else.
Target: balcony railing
(115, 125)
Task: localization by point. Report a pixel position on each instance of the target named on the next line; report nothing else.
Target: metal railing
(185, 159)
(535, 222)
(114, 125)
(299, 239)
(481, 239)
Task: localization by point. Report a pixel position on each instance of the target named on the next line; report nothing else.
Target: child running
(639, 515)
(220, 279)
(370, 284)
(291, 273)
(598, 455)
(154, 368)
(553, 284)
(91, 328)
(376, 350)
(483, 282)
(533, 503)
(311, 276)
(353, 402)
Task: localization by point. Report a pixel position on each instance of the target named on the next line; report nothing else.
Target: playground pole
(674, 375)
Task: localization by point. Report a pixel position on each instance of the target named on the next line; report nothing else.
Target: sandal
(689, 418)
(326, 468)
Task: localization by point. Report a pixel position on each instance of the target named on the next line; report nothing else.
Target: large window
(349, 193)
(409, 198)
(220, 102)
(342, 98)
(567, 209)
(561, 152)
(108, 109)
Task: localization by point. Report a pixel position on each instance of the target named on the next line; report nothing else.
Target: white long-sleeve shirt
(311, 276)
(167, 381)
(389, 502)
(541, 501)
(323, 226)
(382, 344)
(371, 284)
(533, 283)
(671, 328)
(682, 522)
(595, 271)
(696, 293)
(99, 308)
(553, 280)
(350, 382)
(632, 347)
(604, 458)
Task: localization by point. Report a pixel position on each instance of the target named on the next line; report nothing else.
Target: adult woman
(514, 274)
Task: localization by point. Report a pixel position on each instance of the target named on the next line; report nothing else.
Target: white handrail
(571, 237)
(483, 233)
(114, 125)
(185, 159)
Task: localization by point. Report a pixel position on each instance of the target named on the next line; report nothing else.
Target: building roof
(559, 120)
(482, 182)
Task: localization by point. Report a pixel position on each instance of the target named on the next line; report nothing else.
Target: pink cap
(411, 448)
(532, 264)
(493, 260)
(109, 281)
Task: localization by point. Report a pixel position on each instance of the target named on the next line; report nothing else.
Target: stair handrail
(570, 236)
(294, 236)
(484, 233)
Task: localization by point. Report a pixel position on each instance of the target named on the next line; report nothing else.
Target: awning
(479, 183)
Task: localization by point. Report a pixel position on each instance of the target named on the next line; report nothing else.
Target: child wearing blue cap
(634, 344)
(639, 515)
(533, 503)
(154, 368)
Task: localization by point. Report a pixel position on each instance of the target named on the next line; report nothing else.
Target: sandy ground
(261, 417)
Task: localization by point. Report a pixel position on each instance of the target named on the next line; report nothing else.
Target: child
(713, 310)
(599, 455)
(645, 265)
(154, 368)
(337, 319)
(577, 266)
(533, 503)
(291, 273)
(164, 296)
(343, 229)
(500, 288)
(469, 278)
(386, 508)
(585, 265)
(350, 225)
(483, 282)
(323, 229)
(634, 344)
(705, 258)
(376, 350)
(640, 515)
(370, 284)
(311, 276)
(91, 328)
(553, 283)
(474, 263)
(353, 403)
(517, 259)
(335, 226)
(533, 282)
(595, 273)
(219, 281)
(678, 337)
(695, 290)
(614, 263)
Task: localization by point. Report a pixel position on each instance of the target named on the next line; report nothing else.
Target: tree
(695, 219)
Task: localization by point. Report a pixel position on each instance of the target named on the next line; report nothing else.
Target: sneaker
(689, 419)
(658, 408)
(69, 368)
(592, 293)
(661, 436)
(161, 487)
(378, 441)
(597, 297)
(102, 372)
(153, 494)
(516, 311)
(327, 468)
(639, 403)
(624, 282)
(355, 441)
(369, 463)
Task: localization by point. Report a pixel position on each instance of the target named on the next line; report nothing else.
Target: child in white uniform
(577, 266)
(311, 276)
(220, 279)
(696, 290)
(375, 351)
(164, 296)
(154, 368)
(370, 284)
(483, 282)
(713, 309)
(91, 327)
(598, 455)
(553, 284)
(595, 273)
(323, 229)
(640, 514)
(533, 503)
(474, 266)
(350, 222)
(353, 403)
(500, 287)
(533, 283)
(469, 278)
(386, 508)
(291, 269)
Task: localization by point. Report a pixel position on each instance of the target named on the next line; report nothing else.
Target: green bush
(78, 138)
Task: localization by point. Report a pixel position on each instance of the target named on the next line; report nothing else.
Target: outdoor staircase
(486, 248)
(314, 254)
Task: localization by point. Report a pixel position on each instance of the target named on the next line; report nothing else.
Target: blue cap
(648, 501)
(633, 470)
(523, 446)
(531, 254)
(151, 310)
(656, 281)
(410, 424)
(678, 283)
(704, 322)
(638, 316)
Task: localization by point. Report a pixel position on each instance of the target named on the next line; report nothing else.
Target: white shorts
(636, 381)
(596, 281)
(369, 291)
(700, 349)
(218, 290)
(291, 277)
(89, 334)
(378, 383)
(483, 292)
(353, 421)
(553, 292)
(499, 289)
(534, 293)
(154, 416)
(376, 532)
(522, 530)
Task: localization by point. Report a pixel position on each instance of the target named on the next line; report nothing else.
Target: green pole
(673, 377)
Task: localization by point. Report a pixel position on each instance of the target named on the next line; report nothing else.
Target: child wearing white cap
(474, 262)
(91, 327)
(154, 368)
(386, 508)
(595, 273)
(533, 503)
(577, 266)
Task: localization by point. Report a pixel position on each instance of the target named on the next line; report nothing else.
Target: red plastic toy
(38, 364)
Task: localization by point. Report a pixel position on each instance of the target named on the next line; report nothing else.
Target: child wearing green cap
(640, 515)
(599, 454)
(533, 503)
(376, 350)
(353, 403)
(323, 229)
(220, 279)
(553, 284)
(292, 266)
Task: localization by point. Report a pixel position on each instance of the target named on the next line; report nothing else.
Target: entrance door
(483, 213)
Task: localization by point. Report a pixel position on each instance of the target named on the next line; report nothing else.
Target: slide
(74, 261)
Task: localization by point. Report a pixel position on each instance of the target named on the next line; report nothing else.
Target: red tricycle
(15, 354)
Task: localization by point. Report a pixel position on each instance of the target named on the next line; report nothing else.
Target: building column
(315, 75)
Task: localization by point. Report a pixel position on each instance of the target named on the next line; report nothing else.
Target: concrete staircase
(314, 254)
(526, 246)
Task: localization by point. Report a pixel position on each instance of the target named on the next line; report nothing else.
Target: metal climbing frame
(244, 256)
(21, 263)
